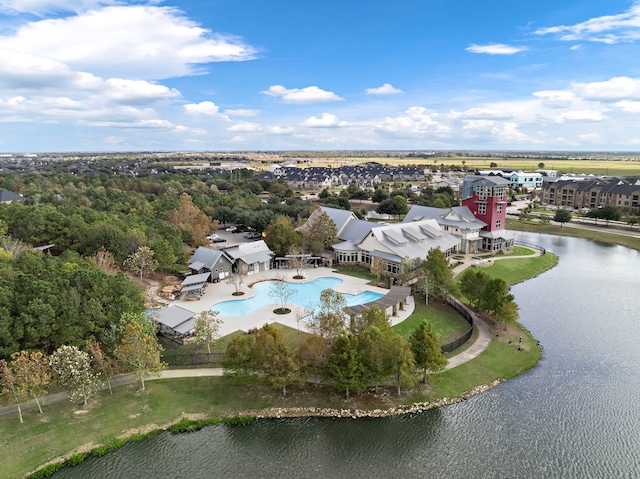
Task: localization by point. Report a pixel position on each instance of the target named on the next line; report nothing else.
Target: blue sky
(102, 75)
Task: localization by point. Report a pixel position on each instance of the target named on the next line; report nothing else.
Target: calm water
(305, 294)
(576, 415)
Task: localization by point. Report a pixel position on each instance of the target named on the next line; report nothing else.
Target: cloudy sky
(100, 75)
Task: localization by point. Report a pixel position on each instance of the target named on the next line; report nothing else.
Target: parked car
(252, 235)
(219, 240)
(212, 237)
(232, 229)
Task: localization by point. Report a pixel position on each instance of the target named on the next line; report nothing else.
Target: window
(499, 208)
(498, 223)
(482, 209)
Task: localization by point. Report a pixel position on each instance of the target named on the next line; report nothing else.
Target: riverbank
(64, 431)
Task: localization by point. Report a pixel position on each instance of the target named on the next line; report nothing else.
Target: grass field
(597, 166)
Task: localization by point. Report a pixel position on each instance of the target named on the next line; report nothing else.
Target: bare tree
(281, 292)
(237, 279)
(298, 259)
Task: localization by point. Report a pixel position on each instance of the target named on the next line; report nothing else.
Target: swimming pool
(306, 295)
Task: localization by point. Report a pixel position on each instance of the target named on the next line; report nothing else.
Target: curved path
(479, 345)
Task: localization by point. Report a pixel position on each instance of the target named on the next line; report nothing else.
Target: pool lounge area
(223, 292)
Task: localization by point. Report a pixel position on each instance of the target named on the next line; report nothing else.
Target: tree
(274, 359)
(508, 312)
(379, 195)
(7, 382)
(281, 236)
(102, 365)
(472, 283)
(318, 232)
(298, 259)
(190, 219)
(402, 363)
(105, 260)
(207, 328)
(237, 278)
(73, 368)
(375, 354)
(141, 261)
(312, 355)
(280, 291)
(344, 364)
(238, 357)
(439, 275)
(370, 317)
(163, 253)
(378, 267)
(562, 216)
(139, 352)
(426, 349)
(31, 375)
(609, 213)
(494, 294)
(540, 166)
(328, 320)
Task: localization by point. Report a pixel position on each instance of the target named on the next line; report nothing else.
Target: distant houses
(7, 197)
(620, 192)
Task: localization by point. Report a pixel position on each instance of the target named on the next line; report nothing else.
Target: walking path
(350, 285)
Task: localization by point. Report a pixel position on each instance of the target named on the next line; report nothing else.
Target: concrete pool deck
(222, 291)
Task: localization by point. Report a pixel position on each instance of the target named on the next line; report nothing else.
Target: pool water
(306, 295)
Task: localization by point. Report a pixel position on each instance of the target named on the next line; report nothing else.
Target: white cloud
(138, 42)
(415, 121)
(245, 126)
(138, 92)
(583, 115)
(607, 29)
(40, 7)
(327, 120)
(481, 113)
(555, 98)
(628, 106)
(386, 89)
(203, 108)
(614, 89)
(495, 49)
(242, 113)
(310, 94)
(591, 137)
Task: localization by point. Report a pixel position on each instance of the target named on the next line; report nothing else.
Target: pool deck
(222, 291)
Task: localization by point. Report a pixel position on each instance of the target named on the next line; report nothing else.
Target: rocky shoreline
(416, 408)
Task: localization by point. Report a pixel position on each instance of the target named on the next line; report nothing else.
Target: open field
(628, 166)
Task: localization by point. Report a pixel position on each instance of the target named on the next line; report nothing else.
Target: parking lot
(232, 238)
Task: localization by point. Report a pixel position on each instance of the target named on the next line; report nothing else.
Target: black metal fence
(194, 359)
(467, 314)
(531, 245)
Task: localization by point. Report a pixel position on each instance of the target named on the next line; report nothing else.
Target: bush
(239, 420)
(76, 459)
(46, 471)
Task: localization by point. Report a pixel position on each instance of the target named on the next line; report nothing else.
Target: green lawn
(446, 323)
(518, 270)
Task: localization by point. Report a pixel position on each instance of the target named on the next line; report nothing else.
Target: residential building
(621, 192)
(458, 221)
(486, 198)
(361, 241)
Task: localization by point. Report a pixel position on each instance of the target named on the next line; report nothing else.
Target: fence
(531, 245)
(194, 359)
(467, 314)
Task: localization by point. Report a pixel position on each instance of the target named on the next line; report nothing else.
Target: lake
(576, 415)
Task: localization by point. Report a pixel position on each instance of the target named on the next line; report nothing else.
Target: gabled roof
(340, 217)
(458, 216)
(413, 240)
(173, 316)
(250, 252)
(205, 258)
(196, 279)
(7, 196)
(357, 230)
